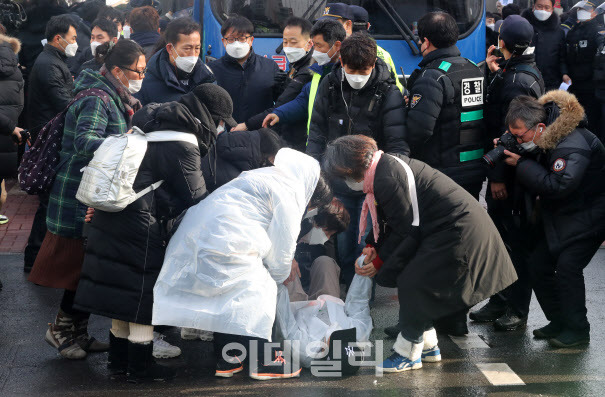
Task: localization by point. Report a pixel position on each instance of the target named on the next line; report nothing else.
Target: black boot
(570, 338)
(490, 312)
(142, 365)
(117, 361)
(510, 321)
(392, 331)
(550, 331)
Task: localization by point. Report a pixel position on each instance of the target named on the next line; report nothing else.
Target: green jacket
(87, 123)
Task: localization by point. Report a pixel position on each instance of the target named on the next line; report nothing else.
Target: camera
(506, 142)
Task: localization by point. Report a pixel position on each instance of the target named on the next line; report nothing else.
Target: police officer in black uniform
(581, 45)
(599, 80)
(444, 123)
(513, 75)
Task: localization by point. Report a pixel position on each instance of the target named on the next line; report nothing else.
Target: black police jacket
(295, 135)
(444, 124)
(581, 46)
(569, 176)
(253, 86)
(549, 43)
(517, 76)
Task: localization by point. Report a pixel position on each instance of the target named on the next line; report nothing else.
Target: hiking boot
(510, 322)
(87, 342)
(117, 360)
(60, 335)
(192, 334)
(142, 366)
(226, 369)
(488, 313)
(278, 369)
(570, 338)
(550, 331)
(163, 349)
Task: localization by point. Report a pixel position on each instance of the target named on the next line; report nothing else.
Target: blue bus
(393, 24)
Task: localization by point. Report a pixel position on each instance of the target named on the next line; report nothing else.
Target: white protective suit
(222, 265)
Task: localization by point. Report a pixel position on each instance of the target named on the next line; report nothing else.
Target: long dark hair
(124, 53)
(349, 156)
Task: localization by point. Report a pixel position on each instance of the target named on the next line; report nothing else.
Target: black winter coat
(454, 259)
(232, 154)
(253, 86)
(125, 250)
(504, 86)
(569, 176)
(382, 119)
(581, 46)
(50, 88)
(295, 135)
(83, 39)
(549, 41)
(11, 103)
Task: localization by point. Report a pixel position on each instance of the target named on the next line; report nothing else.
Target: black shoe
(392, 331)
(117, 361)
(570, 338)
(488, 313)
(226, 369)
(550, 331)
(510, 322)
(278, 369)
(142, 366)
(454, 328)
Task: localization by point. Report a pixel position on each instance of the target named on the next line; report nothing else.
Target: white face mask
(220, 129)
(542, 15)
(317, 236)
(492, 26)
(530, 146)
(294, 54)
(134, 86)
(93, 47)
(353, 185)
(322, 58)
(70, 49)
(584, 15)
(311, 213)
(186, 64)
(126, 32)
(238, 50)
(357, 81)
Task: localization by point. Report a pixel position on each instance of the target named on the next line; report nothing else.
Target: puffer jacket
(125, 249)
(11, 103)
(376, 110)
(232, 154)
(569, 176)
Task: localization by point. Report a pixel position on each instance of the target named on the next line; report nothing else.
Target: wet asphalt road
(30, 367)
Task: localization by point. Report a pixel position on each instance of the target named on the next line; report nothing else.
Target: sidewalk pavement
(20, 209)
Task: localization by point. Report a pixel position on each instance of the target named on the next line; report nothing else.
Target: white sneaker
(163, 349)
(192, 333)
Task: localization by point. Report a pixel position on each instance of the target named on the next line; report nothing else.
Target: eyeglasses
(231, 40)
(140, 73)
(519, 138)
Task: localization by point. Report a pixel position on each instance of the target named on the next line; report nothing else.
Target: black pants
(221, 340)
(558, 281)
(37, 233)
(519, 238)
(592, 107)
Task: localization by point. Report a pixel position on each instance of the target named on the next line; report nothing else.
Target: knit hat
(217, 101)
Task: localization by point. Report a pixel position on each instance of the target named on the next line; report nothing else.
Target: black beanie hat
(217, 101)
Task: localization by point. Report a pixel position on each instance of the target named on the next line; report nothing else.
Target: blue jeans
(348, 248)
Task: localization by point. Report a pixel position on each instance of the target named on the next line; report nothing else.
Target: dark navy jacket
(253, 86)
(161, 83)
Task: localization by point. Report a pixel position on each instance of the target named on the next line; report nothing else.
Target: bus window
(268, 15)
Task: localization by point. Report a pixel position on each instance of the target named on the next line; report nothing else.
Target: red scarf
(370, 201)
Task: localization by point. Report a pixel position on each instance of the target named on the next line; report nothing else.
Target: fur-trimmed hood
(13, 42)
(571, 114)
